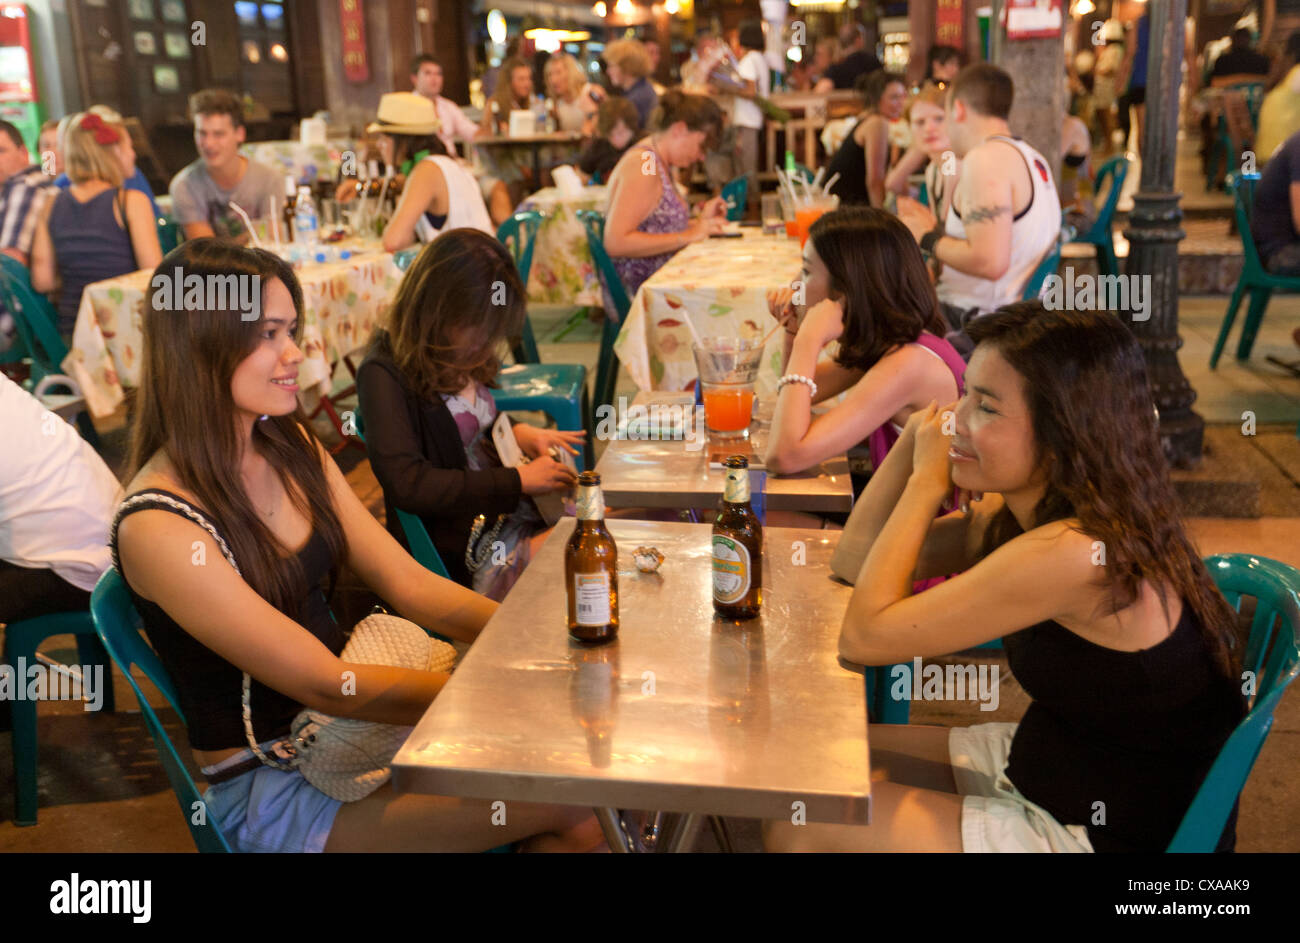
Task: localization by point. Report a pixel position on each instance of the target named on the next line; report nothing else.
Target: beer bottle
(591, 568)
(287, 211)
(737, 548)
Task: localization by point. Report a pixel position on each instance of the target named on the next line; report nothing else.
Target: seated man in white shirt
(57, 499)
(426, 80)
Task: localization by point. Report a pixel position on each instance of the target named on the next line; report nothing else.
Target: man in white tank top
(1005, 215)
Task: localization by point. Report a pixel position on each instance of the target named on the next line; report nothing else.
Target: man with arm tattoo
(1005, 214)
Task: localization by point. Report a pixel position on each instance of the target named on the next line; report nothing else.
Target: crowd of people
(992, 424)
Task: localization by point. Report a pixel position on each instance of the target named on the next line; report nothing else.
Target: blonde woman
(573, 99)
(628, 64)
(930, 152)
(96, 229)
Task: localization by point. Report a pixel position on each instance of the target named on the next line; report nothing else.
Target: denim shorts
(269, 810)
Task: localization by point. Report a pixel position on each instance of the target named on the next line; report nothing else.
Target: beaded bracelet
(797, 378)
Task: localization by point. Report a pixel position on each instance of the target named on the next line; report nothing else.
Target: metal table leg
(611, 823)
(683, 835)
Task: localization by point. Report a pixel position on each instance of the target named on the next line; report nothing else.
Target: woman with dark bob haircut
(223, 459)
(1075, 557)
(864, 285)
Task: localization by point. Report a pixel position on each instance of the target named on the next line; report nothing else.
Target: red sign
(1033, 19)
(353, 21)
(948, 23)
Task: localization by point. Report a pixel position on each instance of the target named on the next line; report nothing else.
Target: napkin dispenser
(568, 181)
(522, 123)
(312, 131)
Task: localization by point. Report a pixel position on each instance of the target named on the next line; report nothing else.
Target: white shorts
(994, 815)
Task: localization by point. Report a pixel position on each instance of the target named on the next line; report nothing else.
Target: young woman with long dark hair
(863, 284)
(222, 449)
(1077, 558)
(424, 389)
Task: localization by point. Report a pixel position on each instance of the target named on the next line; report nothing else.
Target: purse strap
(198, 517)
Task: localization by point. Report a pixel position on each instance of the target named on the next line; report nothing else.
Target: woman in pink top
(865, 285)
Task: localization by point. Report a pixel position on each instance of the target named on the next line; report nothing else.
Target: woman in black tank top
(224, 466)
(866, 155)
(1076, 556)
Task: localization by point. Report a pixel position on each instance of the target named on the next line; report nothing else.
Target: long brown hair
(504, 94)
(875, 264)
(1097, 433)
(186, 409)
(458, 301)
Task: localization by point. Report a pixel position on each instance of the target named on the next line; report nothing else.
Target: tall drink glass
(727, 368)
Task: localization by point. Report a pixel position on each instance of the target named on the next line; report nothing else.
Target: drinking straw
(818, 179)
(830, 183)
(763, 342)
(247, 222)
(785, 181)
(275, 220)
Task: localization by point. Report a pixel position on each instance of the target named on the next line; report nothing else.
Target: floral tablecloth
(307, 162)
(563, 272)
(721, 285)
(343, 302)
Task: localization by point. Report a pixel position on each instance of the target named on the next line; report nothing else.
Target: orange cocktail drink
(727, 368)
(728, 409)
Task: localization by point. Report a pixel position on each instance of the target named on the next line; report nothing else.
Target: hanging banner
(948, 23)
(1033, 19)
(356, 67)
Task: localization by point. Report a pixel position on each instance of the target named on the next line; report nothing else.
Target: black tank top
(850, 162)
(1135, 731)
(209, 688)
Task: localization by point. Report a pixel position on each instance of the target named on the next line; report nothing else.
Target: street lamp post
(1154, 232)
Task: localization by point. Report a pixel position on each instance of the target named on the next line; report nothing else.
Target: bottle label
(731, 569)
(736, 488)
(590, 505)
(591, 592)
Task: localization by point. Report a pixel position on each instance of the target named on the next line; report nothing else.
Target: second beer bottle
(737, 547)
(591, 568)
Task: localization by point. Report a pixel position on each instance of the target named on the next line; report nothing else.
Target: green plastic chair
(35, 319)
(170, 234)
(1101, 234)
(21, 639)
(736, 195)
(607, 366)
(403, 258)
(1272, 654)
(1255, 279)
(118, 626)
(519, 235)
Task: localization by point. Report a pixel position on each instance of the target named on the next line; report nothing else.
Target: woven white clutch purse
(349, 759)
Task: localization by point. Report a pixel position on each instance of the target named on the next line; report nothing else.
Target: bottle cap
(589, 478)
(736, 461)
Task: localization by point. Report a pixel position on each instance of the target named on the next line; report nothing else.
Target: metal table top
(682, 713)
(675, 473)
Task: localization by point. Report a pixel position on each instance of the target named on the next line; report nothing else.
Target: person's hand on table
(544, 475)
(916, 216)
(536, 442)
(704, 226)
